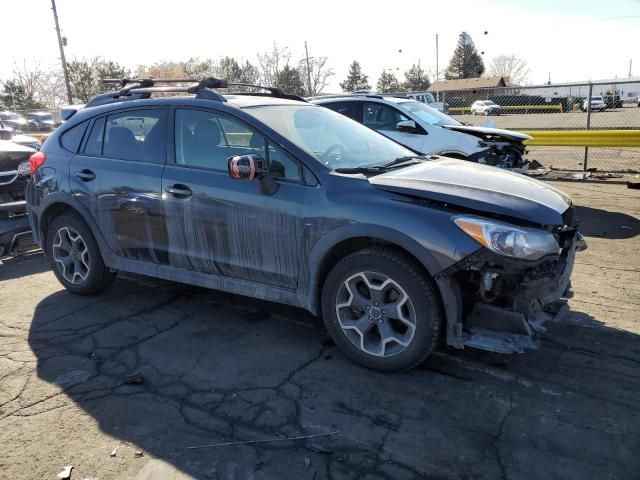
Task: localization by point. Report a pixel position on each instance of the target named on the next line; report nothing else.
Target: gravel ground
(221, 368)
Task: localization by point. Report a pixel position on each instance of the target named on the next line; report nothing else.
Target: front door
(117, 177)
(384, 119)
(227, 227)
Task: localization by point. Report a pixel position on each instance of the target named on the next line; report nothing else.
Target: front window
(428, 114)
(207, 139)
(333, 139)
(382, 117)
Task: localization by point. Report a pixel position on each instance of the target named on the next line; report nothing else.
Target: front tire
(381, 310)
(75, 257)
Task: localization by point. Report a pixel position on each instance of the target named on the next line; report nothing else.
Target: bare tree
(271, 63)
(52, 90)
(29, 78)
(32, 87)
(319, 74)
(511, 66)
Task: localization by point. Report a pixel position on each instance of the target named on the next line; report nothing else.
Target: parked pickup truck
(15, 232)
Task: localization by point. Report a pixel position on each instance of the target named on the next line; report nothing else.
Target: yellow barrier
(533, 107)
(583, 138)
(526, 108)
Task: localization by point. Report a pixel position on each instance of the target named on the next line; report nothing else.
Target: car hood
(485, 132)
(478, 187)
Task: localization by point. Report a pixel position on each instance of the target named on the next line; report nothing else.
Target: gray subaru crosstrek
(268, 196)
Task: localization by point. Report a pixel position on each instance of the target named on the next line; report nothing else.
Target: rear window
(135, 135)
(93, 148)
(72, 138)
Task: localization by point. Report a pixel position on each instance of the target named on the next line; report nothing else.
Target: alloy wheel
(71, 254)
(375, 314)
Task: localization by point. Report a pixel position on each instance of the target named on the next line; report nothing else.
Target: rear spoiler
(69, 111)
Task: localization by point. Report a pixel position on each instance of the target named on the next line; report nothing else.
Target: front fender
(324, 246)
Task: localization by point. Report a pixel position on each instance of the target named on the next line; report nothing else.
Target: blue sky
(571, 40)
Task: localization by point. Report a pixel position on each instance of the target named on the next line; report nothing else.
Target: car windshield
(596, 98)
(333, 139)
(428, 114)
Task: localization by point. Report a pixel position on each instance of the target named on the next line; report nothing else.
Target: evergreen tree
(290, 81)
(466, 62)
(85, 77)
(416, 79)
(388, 83)
(15, 96)
(356, 80)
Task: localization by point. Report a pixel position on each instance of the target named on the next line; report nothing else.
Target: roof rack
(140, 88)
(355, 94)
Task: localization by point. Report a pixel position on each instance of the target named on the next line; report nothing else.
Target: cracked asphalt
(217, 368)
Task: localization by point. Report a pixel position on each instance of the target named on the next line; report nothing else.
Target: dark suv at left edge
(269, 196)
(15, 232)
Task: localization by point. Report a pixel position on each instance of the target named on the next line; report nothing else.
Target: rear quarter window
(72, 138)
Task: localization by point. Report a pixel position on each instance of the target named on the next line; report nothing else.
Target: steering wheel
(336, 151)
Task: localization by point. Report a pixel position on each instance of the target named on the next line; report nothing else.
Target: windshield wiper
(406, 160)
(395, 163)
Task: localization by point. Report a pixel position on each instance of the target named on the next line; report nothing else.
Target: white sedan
(485, 107)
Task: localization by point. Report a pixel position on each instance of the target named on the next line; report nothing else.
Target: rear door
(117, 176)
(226, 227)
(384, 118)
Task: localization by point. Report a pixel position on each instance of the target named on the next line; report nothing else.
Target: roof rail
(140, 88)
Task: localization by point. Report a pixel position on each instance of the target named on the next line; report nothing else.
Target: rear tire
(75, 256)
(380, 310)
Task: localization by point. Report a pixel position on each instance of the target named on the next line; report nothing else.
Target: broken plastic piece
(138, 454)
(114, 452)
(134, 378)
(65, 472)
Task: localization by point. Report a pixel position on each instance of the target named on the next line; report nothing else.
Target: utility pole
(62, 59)
(306, 51)
(630, 64)
(437, 72)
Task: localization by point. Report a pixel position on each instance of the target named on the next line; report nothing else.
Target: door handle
(180, 191)
(86, 175)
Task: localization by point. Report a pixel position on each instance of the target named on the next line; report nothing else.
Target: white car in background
(597, 103)
(428, 131)
(485, 107)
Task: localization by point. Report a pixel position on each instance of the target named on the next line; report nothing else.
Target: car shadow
(165, 367)
(23, 265)
(595, 222)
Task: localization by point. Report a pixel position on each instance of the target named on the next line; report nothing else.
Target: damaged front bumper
(501, 304)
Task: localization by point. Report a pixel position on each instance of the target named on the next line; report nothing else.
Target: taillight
(35, 161)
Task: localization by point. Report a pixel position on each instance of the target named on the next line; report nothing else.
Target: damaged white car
(428, 131)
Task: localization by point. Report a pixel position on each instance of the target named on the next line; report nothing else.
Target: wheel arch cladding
(59, 206)
(321, 263)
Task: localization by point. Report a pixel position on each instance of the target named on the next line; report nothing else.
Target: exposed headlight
(509, 240)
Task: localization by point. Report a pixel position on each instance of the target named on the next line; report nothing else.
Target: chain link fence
(611, 106)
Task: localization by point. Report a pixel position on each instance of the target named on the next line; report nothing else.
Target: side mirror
(408, 126)
(252, 167)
